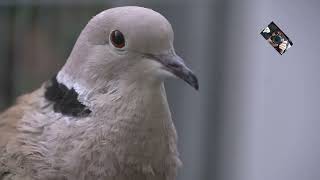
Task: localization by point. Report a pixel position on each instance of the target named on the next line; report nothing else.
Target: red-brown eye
(117, 39)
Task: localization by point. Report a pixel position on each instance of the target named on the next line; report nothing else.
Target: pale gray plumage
(129, 135)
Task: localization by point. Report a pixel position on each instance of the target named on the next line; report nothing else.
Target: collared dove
(105, 115)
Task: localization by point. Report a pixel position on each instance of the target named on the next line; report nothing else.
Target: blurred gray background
(256, 116)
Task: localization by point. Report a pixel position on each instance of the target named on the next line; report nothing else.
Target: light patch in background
(277, 38)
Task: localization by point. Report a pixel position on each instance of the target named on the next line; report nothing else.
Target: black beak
(175, 64)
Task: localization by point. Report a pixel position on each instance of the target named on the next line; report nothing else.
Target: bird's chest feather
(136, 138)
(148, 152)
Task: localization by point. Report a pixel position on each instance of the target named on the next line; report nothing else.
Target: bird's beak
(175, 64)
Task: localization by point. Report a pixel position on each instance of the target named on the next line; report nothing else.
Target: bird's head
(131, 44)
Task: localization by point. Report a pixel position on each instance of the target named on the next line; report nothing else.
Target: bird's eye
(117, 39)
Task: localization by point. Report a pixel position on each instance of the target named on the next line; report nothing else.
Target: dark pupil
(117, 38)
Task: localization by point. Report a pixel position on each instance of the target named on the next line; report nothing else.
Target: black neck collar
(65, 101)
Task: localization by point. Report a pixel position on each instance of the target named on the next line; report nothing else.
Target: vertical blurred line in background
(8, 67)
(27, 38)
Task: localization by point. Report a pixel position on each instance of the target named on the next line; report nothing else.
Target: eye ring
(117, 39)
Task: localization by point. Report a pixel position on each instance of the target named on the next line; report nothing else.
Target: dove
(105, 114)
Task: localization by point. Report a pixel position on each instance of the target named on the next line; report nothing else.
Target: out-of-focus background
(256, 116)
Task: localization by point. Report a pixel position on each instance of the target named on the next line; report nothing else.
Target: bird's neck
(138, 120)
(139, 108)
(133, 103)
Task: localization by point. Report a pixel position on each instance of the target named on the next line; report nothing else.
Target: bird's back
(10, 120)
(8, 130)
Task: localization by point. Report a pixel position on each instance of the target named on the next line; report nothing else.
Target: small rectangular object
(277, 38)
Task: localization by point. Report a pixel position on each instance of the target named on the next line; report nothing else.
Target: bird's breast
(136, 133)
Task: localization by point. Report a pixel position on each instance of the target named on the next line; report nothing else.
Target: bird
(105, 114)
